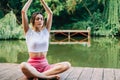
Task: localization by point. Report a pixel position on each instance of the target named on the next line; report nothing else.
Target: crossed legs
(30, 72)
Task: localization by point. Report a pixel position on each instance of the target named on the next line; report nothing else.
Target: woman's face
(39, 21)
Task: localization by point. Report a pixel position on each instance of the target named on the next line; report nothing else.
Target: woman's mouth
(39, 24)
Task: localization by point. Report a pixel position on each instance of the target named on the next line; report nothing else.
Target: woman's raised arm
(25, 23)
(49, 13)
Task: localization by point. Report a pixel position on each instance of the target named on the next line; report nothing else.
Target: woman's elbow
(51, 13)
(22, 11)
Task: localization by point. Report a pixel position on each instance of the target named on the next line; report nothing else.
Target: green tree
(103, 16)
(112, 15)
(9, 29)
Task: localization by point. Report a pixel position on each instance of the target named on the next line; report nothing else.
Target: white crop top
(37, 41)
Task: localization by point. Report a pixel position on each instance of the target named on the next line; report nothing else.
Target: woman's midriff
(37, 54)
(39, 61)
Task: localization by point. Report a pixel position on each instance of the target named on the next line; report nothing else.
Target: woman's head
(37, 20)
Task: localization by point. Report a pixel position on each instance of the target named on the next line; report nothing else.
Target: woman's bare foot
(57, 77)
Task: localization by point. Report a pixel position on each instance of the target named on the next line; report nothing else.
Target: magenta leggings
(40, 63)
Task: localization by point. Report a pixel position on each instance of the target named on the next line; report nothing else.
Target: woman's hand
(26, 6)
(49, 13)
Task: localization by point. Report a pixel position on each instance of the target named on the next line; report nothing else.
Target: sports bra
(37, 41)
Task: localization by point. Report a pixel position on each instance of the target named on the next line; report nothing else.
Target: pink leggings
(40, 63)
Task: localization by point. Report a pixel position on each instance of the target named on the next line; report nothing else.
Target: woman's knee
(23, 65)
(67, 65)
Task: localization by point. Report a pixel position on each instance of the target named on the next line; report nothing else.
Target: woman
(37, 40)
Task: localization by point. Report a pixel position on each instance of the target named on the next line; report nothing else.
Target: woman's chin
(38, 26)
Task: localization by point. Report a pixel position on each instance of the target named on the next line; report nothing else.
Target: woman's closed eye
(39, 19)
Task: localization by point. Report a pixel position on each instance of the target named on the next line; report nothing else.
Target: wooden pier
(12, 72)
(68, 37)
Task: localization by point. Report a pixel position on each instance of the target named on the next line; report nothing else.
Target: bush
(9, 29)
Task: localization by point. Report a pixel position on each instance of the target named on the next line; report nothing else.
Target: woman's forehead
(39, 15)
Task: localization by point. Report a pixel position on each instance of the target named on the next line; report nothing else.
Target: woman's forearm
(26, 6)
(47, 9)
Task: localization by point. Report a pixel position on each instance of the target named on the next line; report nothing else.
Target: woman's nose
(40, 19)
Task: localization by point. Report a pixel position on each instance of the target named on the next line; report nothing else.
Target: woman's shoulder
(45, 29)
(28, 31)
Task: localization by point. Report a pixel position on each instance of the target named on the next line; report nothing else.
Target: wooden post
(68, 36)
(88, 36)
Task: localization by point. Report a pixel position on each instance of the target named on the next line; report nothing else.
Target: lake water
(103, 53)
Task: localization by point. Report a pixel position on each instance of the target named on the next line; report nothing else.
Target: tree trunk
(119, 9)
(112, 13)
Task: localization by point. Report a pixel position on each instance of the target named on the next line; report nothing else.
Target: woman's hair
(32, 20)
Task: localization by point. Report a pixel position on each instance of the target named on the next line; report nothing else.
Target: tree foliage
(103, 16)
(9, 29)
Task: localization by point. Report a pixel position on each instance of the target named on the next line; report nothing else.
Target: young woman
(37, 40)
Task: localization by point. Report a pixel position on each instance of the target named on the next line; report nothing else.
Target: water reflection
(103, 52)
(12, 51)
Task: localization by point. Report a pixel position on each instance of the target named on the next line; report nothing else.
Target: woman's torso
(37, 43)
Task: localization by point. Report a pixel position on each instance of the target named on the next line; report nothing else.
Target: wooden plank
(17, 74)
(8, 73)
(4, 68)
(74, 74)
(86, 74)
(68, 42)
(117, 74)
(65, 74)
(97, 74)
(70, 31)
(109, 74)
(13, 72)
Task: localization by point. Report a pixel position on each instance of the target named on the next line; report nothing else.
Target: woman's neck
(37, 29)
